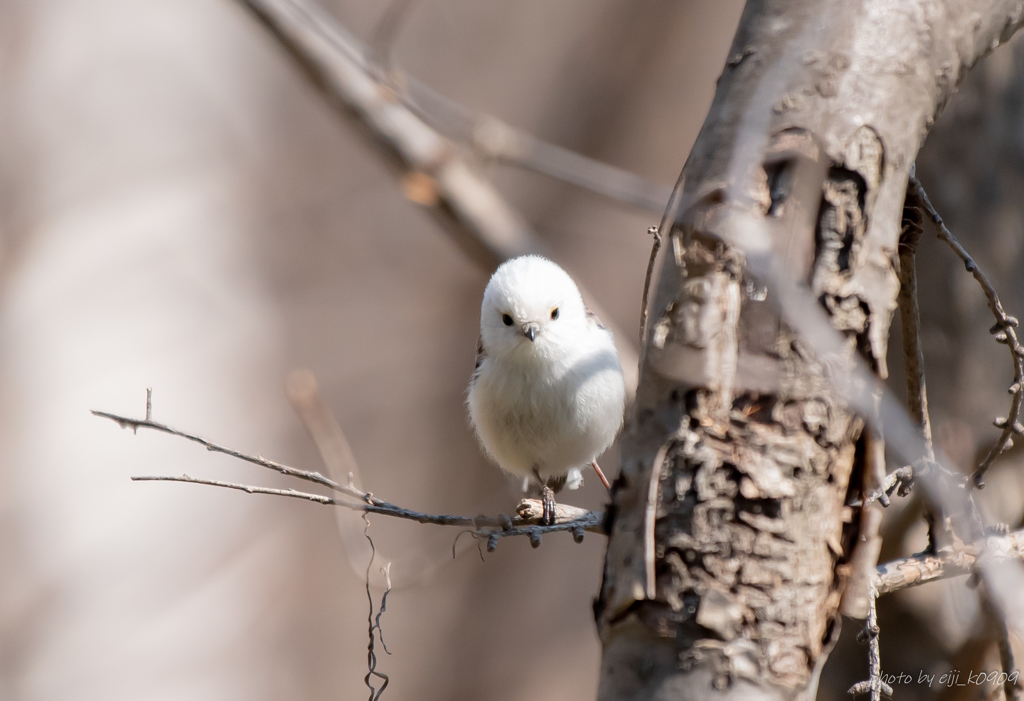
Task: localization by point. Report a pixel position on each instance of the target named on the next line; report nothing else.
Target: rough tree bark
(730, 544)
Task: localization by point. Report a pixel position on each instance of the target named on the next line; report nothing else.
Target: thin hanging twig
(375, 630)
(874, 684)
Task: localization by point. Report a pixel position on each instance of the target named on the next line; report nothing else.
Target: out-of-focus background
(181, 210)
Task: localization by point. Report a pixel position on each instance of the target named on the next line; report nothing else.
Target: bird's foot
(547, 497)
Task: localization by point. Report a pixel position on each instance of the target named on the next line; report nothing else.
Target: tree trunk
(730, 541)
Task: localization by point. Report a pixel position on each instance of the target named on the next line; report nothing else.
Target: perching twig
(890, 577)
(567, 518)
(502, 525)
(1004, 332)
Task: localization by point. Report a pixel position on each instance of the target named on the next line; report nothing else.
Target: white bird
(547, 396)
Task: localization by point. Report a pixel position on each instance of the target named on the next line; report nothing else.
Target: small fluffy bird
(547, 396)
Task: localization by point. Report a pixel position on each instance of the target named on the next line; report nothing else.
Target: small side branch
(655, 232)
(947, 562)
(136, 424)
(1004, 332)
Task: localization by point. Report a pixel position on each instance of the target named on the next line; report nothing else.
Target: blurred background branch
(406, 118)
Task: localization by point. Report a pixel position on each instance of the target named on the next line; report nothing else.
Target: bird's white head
(531, 306)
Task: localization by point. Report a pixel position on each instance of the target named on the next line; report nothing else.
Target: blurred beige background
(180, 210)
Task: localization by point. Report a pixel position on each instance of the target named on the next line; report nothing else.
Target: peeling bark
(730, 543)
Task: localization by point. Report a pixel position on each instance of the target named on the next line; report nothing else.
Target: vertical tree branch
(910, 319)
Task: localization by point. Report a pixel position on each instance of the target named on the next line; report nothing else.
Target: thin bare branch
(910, 319)
(913, 353)
(1004, 332)
(525, 523)
(315, 477)
(498, 140)
(655, 247)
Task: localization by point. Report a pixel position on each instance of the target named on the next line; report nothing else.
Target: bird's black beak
(530, 331)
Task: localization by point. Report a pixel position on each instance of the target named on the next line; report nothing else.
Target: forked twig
(526, 522)
(315, 477)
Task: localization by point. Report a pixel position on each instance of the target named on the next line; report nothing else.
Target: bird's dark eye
(507, 319)
(554, 313)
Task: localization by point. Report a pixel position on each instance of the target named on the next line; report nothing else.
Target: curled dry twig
(375, 632)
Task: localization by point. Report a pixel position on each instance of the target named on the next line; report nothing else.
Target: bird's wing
(593, 317)
(480, 355)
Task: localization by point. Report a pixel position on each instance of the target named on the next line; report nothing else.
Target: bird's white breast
(549, 413)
